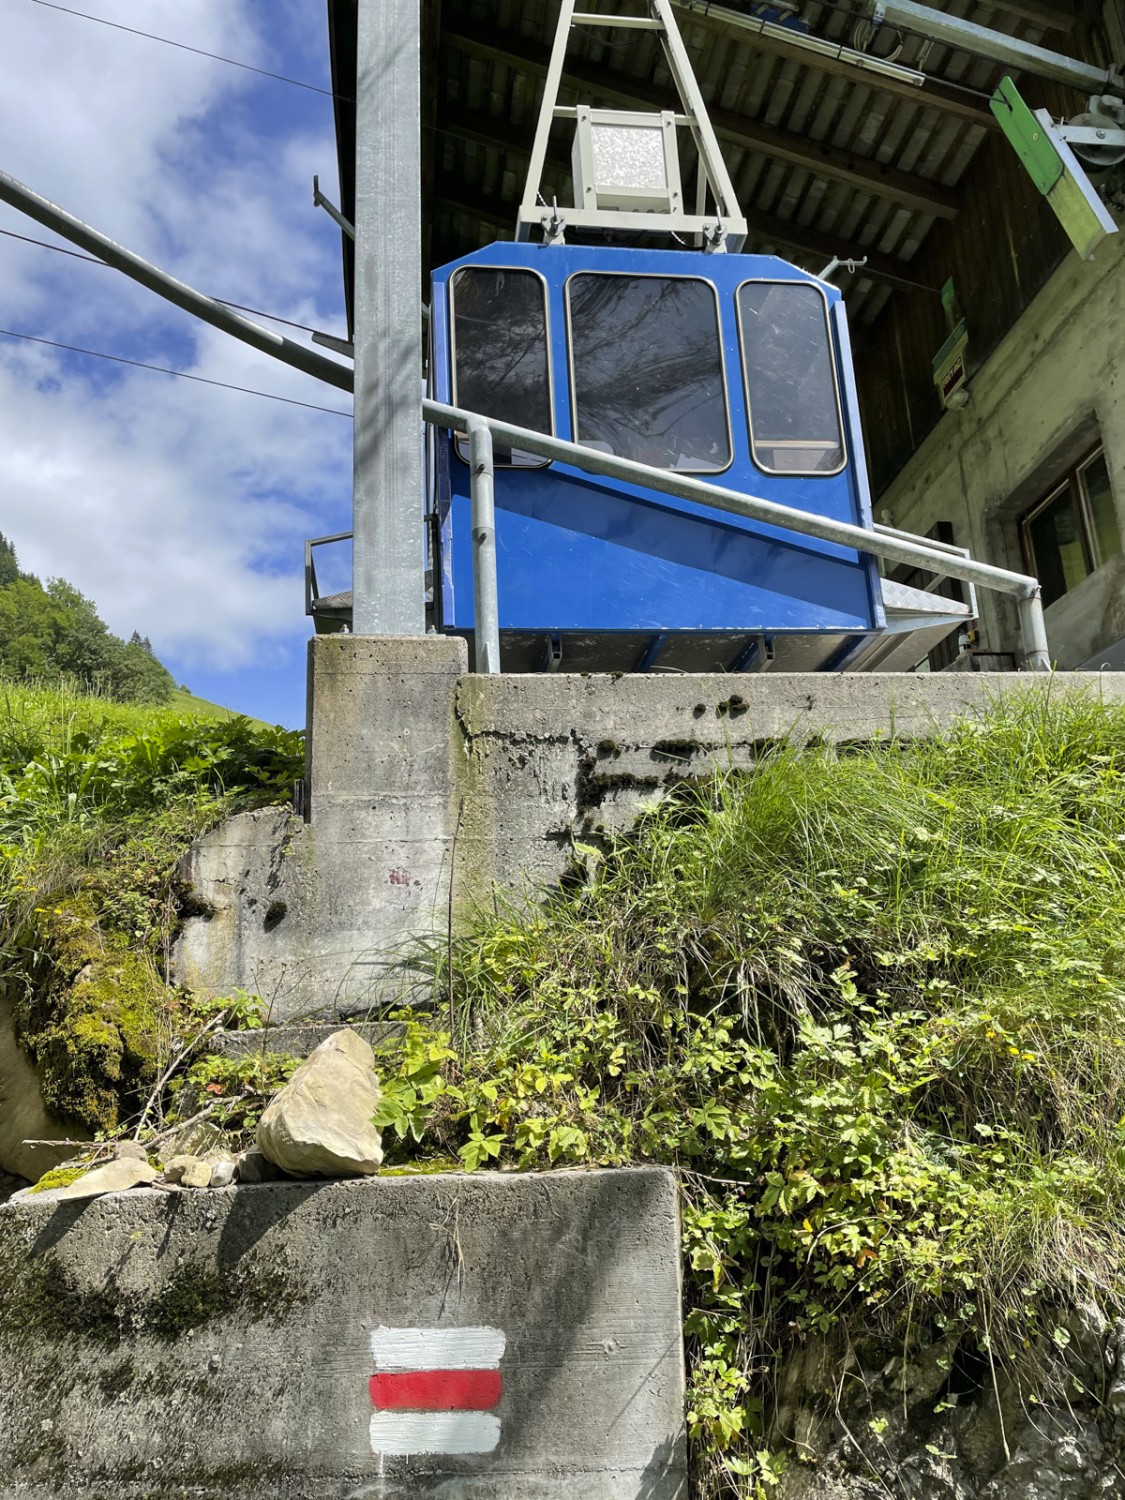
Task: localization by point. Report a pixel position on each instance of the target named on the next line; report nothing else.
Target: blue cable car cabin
(735, 368)
(722, 366)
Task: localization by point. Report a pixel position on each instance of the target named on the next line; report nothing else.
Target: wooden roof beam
(858, 172)
(932, 95)
(491, 210)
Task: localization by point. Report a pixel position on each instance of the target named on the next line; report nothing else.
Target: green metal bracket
(1027, 135)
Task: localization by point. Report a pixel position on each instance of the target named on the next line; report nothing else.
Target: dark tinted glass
(1055, 534)
(500, 351)
(1103, 513)
(790, 378)
(648, 370)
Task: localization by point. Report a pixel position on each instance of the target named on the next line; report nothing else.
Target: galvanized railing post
(1033, 632)
(486, 624)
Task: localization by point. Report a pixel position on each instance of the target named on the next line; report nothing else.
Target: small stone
(1069, 1457)
(189, 1171)
(222, 1172)
(253, 1166)
(129, 1151)
(320, 1123)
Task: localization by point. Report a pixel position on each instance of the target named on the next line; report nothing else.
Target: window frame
(834, 364)
(460, 439)
(652, 276)
(1073, 481)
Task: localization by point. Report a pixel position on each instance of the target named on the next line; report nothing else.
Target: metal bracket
(320, 201)
(338, 346)
(851, 266)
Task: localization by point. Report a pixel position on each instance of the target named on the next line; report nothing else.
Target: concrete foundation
(428, 786)
(219, 1344)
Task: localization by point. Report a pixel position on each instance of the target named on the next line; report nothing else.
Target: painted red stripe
(436, 1390)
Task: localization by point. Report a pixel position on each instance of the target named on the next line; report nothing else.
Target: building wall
(1051, 389)
(1001, 250)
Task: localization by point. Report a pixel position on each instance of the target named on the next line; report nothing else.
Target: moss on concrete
(59, 1177)
(90, 1016)
(41, 1299)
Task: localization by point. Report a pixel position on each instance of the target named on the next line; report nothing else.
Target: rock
(320, 1123)
(201, 1139)
(222, 1172)
(189, 1171)
(112, 1177)
(129, 1151)
(252, 1166)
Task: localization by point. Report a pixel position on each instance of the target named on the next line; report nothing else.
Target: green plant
(870, 1005)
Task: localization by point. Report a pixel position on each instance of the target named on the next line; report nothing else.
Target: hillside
(869, 1005)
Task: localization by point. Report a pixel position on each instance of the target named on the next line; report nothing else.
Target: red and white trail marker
(434, 1390)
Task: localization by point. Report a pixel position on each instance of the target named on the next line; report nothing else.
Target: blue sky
(179, 509)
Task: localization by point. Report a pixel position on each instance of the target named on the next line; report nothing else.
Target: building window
(1073, 530)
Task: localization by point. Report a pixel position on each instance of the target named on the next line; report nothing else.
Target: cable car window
(500, 365)
(795, 425)
(648, 370)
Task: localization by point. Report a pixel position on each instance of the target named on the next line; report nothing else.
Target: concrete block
(219, 1344)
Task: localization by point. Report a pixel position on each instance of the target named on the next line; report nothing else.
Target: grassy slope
(98, 801)
(871, 1005)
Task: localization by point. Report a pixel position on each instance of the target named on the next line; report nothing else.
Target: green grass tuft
(870, 1003)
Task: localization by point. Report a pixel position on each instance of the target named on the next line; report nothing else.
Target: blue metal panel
(578, 552)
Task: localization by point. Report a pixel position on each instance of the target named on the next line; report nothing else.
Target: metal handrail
(883, 542)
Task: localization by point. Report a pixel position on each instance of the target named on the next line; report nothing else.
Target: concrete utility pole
(389, 562)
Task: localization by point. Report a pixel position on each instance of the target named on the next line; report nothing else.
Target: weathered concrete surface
(1039, 403)
(217, 1344)
(427, 787)
(310, 915)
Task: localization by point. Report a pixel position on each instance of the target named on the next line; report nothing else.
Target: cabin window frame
(720, 346)
(461, 439)
(833, 353)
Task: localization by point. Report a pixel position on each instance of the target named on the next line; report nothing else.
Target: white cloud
(179, 508)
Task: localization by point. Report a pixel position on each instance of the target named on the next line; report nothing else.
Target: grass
(870, 1005)
(98, 801)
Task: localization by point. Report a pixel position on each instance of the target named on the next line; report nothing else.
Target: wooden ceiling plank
(859, 172)
(932, 95)
(491, 211)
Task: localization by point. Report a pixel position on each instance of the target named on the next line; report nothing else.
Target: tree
(57, 631)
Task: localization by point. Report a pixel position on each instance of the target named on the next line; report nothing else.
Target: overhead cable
(119, 359)
(95, 260)
(199, 51)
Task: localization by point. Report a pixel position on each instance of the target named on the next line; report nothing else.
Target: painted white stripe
(402, 1432)
(437, 1348)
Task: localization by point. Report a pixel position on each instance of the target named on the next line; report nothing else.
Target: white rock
(320, 1122)
(222, 1172)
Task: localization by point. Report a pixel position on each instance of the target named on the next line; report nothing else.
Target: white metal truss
(717, 222)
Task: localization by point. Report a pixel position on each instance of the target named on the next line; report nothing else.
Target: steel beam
(388, 556)
(998, 47)
(49, 214)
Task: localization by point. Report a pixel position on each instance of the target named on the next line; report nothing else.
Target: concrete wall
(427, 786)
(219, 1344)
(1038, 404)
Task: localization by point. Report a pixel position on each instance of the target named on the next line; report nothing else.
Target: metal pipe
(918, 554)
(1009, 51)
(486, 614)
(53, 217)
(1033, 633)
